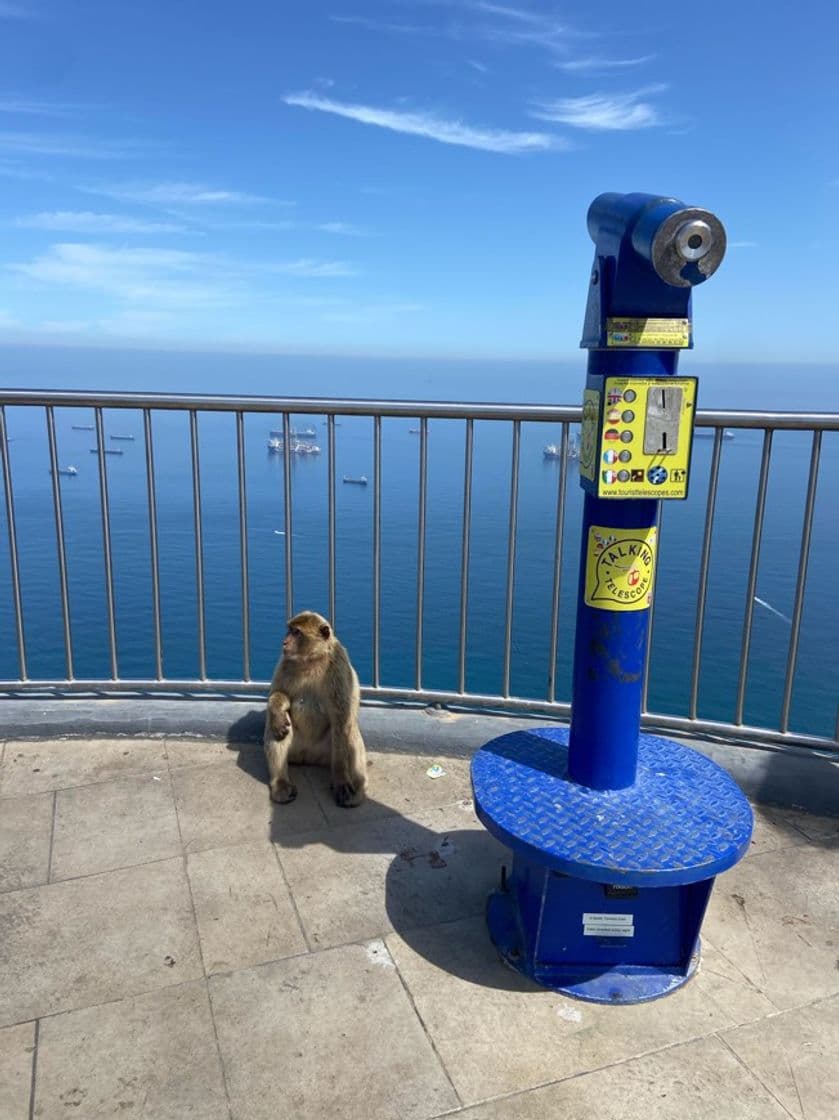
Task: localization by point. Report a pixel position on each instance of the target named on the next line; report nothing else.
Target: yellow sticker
(620, 564)
(588, 434)
(654, 333)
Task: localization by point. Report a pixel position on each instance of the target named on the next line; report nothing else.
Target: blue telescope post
(617, 836)
(644, 270)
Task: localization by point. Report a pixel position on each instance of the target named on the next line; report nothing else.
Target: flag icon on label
(610, 476)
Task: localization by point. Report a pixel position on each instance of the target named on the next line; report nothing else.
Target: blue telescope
(617, 836)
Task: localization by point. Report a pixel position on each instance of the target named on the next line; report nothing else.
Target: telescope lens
(694, 240)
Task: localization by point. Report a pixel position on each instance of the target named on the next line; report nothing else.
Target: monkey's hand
(279, 715)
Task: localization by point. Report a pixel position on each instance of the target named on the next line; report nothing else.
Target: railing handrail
(408, 409)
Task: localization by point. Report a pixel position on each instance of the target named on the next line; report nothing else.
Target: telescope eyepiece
(694, 240)
(684, 247)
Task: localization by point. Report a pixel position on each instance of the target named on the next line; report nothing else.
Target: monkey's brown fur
(312, 712)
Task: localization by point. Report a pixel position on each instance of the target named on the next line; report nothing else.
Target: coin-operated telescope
(617, 836)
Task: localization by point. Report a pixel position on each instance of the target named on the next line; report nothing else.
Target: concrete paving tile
(243, 907)
(362, 881)
(154, 1055)
(329, 1034)
(201, 752)
(795, 1056)
(68, 945)
(822, 830)
(17, 1045)
(496, 1032)
(700, 1080)
(114, 824)
(776, 917)
(775, 828)
(25, 828)
(398, 784)
(32, 767)
(221, 804)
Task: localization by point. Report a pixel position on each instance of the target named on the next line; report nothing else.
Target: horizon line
(168, 346)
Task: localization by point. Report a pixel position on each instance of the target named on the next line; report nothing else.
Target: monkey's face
(307, 637)
(295, 643)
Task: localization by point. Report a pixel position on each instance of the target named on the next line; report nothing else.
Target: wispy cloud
(178, 194)
(431, 127)
(599, 65)
(520, 26)
(603, 112)
(84, 221)
(385, 25)
(501, 25)
(26, 107)
(63, 326)
(312, 269)
(742, 244)
(370, 312)
(15, 11)
(16, 169)
(127, 274)
(227, 225)
(155, 278)
(68, 146)
(343, 229)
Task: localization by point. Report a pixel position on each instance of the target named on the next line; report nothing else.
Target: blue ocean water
(809, 388)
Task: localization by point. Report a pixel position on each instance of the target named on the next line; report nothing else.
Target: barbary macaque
(312, 714)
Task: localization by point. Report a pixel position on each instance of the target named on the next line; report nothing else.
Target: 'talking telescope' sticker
(619, 568)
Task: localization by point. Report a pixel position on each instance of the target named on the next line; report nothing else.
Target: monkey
(312, 713)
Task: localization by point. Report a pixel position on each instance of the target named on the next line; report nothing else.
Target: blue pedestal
(608, 887)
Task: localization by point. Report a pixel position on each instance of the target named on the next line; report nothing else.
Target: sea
(721, 386)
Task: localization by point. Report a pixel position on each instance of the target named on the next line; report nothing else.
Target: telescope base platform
(608, 888)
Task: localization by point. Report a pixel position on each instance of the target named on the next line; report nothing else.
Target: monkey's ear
(325, 632)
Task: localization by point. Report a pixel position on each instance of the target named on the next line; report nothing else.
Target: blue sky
(404, 177)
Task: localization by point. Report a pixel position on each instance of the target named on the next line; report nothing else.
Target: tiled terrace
(172, 945)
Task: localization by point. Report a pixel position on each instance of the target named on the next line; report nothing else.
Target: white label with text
(608, 925)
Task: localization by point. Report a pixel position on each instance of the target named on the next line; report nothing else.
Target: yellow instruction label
(645, 438)
(653, 333)
(620, 564)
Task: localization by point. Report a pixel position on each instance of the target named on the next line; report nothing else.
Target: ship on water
(107, 451)
(554, 450)
(82, 427)
(295, 447)
(360, 481)
(121, 437)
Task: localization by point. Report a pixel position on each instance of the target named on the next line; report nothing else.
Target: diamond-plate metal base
(608, 887)
(684, 819)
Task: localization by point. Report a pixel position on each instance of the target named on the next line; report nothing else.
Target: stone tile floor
(172, 945)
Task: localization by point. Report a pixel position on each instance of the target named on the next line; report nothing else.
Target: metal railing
(243, 408)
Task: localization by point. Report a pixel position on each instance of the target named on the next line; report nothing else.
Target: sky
(405, 177)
